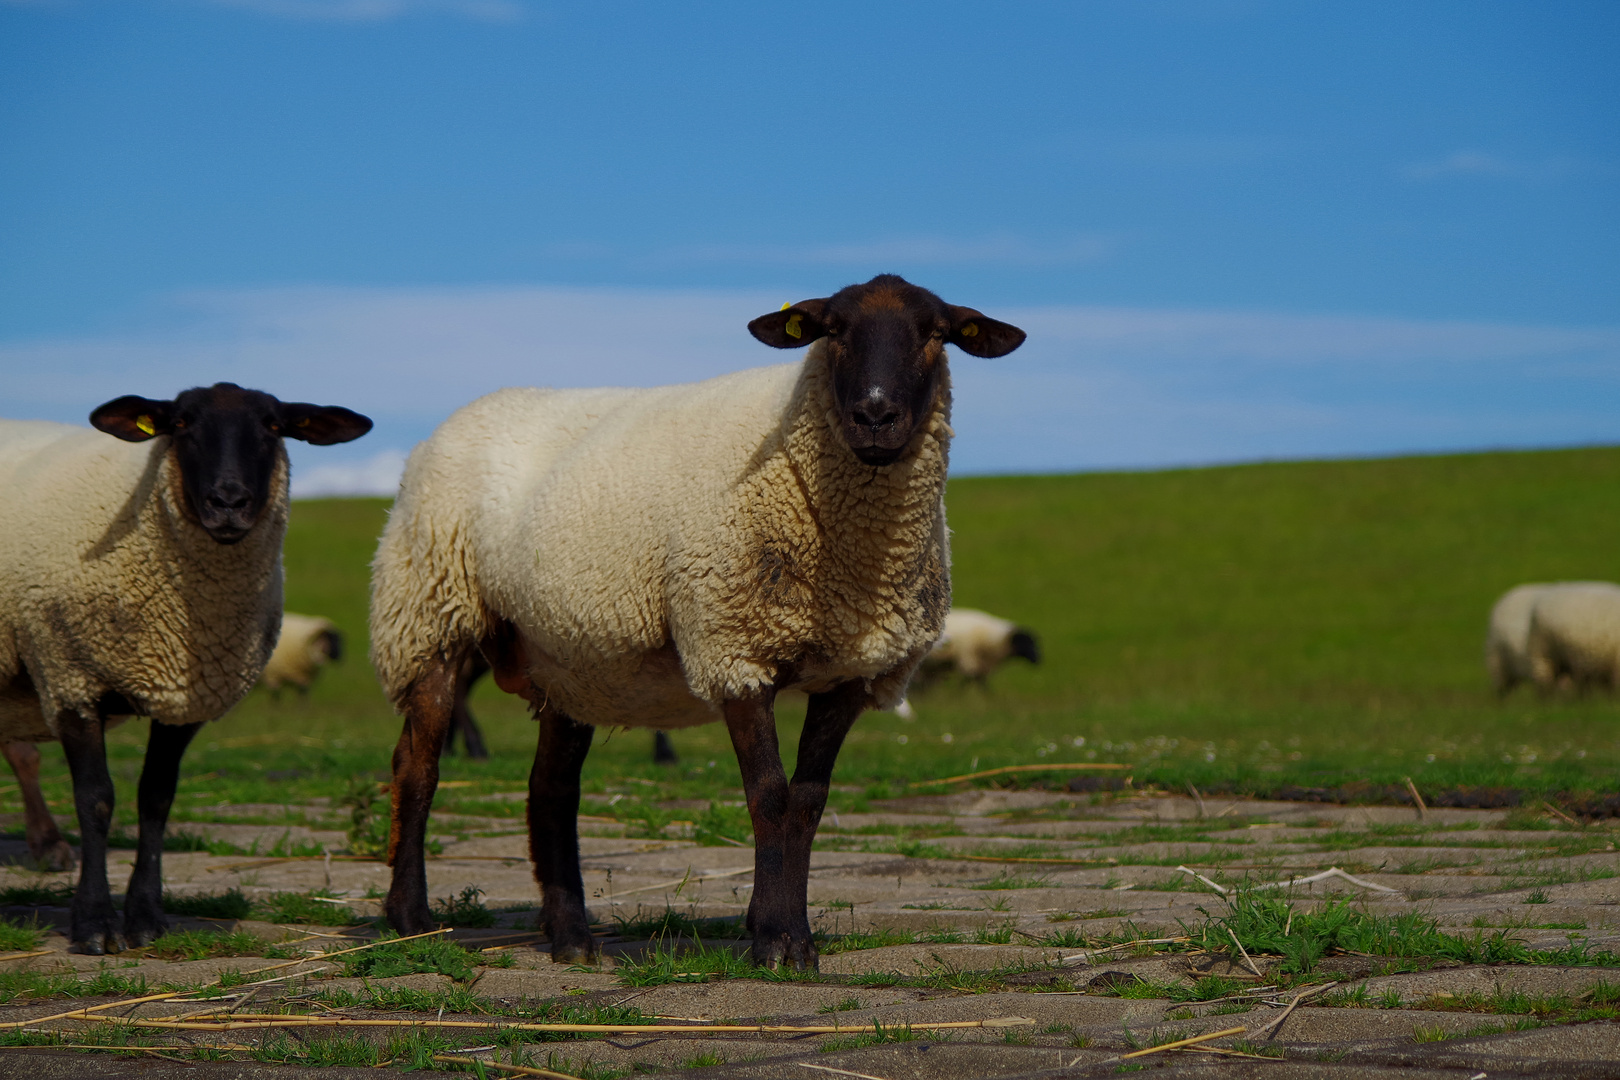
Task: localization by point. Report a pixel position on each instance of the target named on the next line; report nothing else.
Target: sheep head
(227, 441)
(885, 350)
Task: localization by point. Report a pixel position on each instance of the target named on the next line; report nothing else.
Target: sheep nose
(875, 411)
(229, 497)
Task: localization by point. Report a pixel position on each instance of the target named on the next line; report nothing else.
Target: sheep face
(885, 350)
(227, 441)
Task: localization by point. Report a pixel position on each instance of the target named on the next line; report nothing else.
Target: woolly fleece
(976, 642)
(1507, 641)
(661, 550)
(107, 584)
(300, 652)
(1575, 629)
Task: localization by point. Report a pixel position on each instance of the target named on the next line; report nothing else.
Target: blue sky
(1235, 229)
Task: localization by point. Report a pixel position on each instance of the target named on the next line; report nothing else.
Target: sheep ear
(793, 326)
(977, 335)
(321, 425)
(134, 418)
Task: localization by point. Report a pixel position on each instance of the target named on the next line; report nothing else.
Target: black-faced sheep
(307, 644)
(676, 556)
(141, 580)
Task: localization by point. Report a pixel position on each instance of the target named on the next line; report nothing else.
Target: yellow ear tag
(970, 330)
(793, 329)
(784, 307)
(144, 424)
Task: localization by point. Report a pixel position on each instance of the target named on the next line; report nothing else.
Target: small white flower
(947, 737)
(901, 739)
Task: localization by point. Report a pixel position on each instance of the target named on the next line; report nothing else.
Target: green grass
(1240, 628)
(432, 955)
(230, 904)
(19, 936)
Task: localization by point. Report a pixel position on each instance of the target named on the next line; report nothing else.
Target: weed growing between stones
(464, 910)
(422, 955)
(204, 944)
(16, 936)
(899, 1033)
(672, 961)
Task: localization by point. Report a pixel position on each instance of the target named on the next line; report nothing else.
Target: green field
(1248, 626)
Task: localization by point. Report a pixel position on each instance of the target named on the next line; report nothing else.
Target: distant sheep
(307, 644)
(1575, 636)
(975, 643)
(675, 556)
(141, 580)
(1507, 641)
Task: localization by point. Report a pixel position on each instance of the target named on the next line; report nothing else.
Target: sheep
(676, 556)
(975, 643)
(141, 580)
(307, 644)
(1507, 642)
(1575, 635)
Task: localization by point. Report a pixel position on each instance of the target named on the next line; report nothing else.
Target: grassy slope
(1320, 618)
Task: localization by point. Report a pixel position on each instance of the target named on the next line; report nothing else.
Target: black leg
(554, 835)
(94, 919)
(663, 749)
(461, 720)
(428, 706)
(786, 816)
(144, 920)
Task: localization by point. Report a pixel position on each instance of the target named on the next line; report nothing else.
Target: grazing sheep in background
(1575, 635)
(975, 643)
(675, 556)
(141, 580)
(307, 644)
(1507, 642)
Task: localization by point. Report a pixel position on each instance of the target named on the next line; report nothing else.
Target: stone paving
(1000, 893)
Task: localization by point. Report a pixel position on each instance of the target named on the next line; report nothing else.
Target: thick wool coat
(1575, 629)
(109, 585)
(661, 550)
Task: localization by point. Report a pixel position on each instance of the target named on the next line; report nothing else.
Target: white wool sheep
(140, 575)
(307, 644)
(676, 556)
(1507, 641)
(106, 587)
(690, 535)
(1575, 635)
(975, 643)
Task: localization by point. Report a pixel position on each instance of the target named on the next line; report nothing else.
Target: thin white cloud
(367, 11)
(1095, 387)
(376, 475)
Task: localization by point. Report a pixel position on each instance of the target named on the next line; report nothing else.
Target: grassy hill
(1313, 621)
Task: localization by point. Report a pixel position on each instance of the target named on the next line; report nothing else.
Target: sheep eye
(178, 424)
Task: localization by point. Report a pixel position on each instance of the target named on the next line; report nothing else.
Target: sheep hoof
(573, 952)
(99, 943)
(785, 953)
(139, 931)
(55, 858)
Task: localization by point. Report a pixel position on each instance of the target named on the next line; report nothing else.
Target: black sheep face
(227, 441)
(886, 350)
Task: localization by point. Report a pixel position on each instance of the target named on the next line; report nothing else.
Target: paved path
(984, 938)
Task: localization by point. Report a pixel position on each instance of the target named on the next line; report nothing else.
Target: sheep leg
(144, 920)
(429, 704)
(554, 836)
(45, 842)
(94, 920)
(785, 815)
